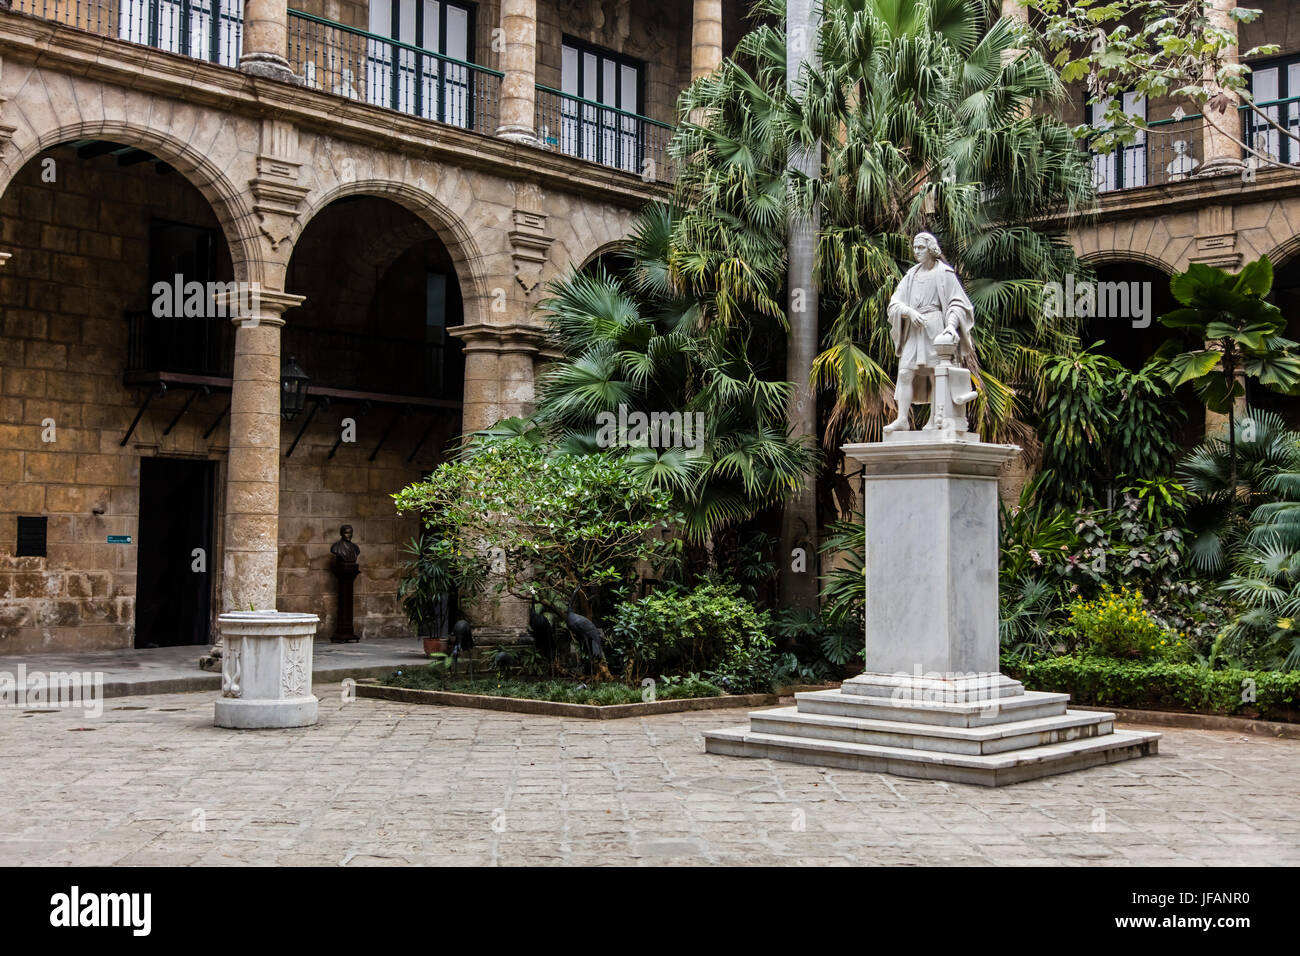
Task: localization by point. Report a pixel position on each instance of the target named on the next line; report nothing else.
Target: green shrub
(1117, 624)
(673, 631)
(1161, 685)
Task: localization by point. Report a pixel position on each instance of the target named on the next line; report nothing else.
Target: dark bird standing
(463, 635)
(587, 633)
(539, 625)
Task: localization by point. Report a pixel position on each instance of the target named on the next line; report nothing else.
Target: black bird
(588, 634)
(464, 641)
(539, 625)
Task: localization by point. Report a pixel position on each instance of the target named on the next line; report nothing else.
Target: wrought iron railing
(1173, 150)
(602, 134)
(340, 360)
(193, 346)
(209, 30)
(363, 66)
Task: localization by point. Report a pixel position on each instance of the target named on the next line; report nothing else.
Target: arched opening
(1129, 299)
(384, 396)
(1286, 296)
(381, 292)
(114, 395)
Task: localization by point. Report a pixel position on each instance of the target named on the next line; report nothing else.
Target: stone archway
(451, 230)
(228, 203)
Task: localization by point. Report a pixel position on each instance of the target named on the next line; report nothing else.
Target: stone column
(266, 40)
(498, 372)
(518, 119)
(1221, 152)
(706, 38)
(253, 469)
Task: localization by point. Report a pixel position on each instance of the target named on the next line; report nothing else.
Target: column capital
(250, 305)
(501, 339)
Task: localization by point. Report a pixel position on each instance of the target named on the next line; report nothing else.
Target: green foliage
(1236, 330)
(927, 121)
(1117, 624)
(545, 525)
(1100, 422)
(1167, 50)
(558, 691)
(434, 569)
(638, 342)
(671, 631)
(844, 596)
(1223, 499)
(1161, 685)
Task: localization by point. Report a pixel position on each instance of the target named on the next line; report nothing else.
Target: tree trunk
(799, 566)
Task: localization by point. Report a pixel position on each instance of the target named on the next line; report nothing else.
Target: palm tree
(924, 112)
(637, 341)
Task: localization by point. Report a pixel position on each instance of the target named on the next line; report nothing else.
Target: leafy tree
(540, 526)
(1185, 50)
(1240, 334)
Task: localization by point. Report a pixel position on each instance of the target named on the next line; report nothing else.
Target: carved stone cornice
(501, 338)
(530, 244)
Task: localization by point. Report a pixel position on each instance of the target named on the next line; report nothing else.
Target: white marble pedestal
(266, 670)
(932, 702)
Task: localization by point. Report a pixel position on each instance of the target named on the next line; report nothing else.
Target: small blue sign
(119, 539)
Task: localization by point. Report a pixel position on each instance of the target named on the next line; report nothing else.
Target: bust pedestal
(932, 702)
(266, 670)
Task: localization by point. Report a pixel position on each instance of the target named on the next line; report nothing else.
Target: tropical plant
(1237, 334)
(435, 570)
(925, 114)
(845, 586)
(1101, 423)
(635, 345)
(1117, 624)
(1226, 488)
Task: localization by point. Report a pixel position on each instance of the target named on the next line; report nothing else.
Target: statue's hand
(918, 320)
(947, 337)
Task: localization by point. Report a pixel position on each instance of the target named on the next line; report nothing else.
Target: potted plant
(425, 589)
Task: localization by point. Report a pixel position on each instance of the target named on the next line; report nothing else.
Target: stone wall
(80, 258)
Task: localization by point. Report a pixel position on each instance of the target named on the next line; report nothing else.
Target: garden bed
(554, 708)
(1165, 687)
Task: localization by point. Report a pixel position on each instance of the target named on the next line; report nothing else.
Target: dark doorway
(173, 582)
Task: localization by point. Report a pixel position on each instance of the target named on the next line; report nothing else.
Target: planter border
(1193, 721)
(549, 708)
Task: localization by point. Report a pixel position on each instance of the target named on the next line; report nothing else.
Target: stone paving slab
(380, 783)
(170, 670)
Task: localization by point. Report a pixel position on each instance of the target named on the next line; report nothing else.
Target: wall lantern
(293, 389)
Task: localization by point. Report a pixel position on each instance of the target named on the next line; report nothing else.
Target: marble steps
(1029, 706)
(989, 770)
(987, 739)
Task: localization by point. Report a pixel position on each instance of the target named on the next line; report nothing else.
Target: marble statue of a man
(929, 307)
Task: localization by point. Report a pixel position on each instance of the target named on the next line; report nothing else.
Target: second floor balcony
(417, 57)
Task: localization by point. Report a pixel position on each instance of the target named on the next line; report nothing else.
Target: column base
(265, 714)
(268, 66)
(523, 135)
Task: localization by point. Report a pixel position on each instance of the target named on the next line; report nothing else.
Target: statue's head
(926, 248)
(345, 532)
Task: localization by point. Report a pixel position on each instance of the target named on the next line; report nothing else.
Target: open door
(174, 552)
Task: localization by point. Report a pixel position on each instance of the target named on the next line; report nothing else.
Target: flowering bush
(1116, 624)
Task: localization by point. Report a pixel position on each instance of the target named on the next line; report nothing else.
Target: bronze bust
(346, 570)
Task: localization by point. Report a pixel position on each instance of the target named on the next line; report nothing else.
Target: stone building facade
(398, 210)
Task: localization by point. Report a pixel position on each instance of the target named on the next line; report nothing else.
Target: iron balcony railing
(1173, 150)
(340, 360)
(603, 134)
(373, 69)
(369, 68)
(209, 30)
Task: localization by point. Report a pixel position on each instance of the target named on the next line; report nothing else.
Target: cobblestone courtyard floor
(153, 782)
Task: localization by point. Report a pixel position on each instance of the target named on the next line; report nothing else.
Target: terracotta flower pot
(437, 645)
